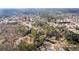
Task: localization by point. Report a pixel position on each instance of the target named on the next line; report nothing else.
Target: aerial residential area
(43, 30)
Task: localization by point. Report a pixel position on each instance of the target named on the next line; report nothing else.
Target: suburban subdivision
(38, 29)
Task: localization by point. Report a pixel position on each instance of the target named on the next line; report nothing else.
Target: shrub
(27, 47)
(39, 41)
(33, 32)
(21, 29)
(72, 37)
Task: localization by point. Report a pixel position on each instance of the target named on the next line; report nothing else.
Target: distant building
(12, 22)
